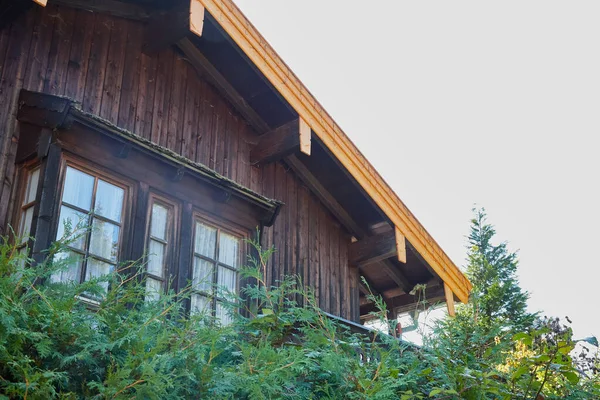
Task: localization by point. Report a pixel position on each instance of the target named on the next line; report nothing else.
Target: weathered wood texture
(98, 61)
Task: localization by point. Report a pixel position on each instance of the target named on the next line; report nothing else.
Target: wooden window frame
(173, 236)
(20, 208)
(221, 225)
(98, 172)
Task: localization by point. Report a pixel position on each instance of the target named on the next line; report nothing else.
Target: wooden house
(175, 130)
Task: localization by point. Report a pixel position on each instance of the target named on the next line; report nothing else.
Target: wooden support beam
(380, 248)
(400, 246)
(214, 77)
(323, 195)
(304, 137)
(167, 27)
(397, 276)
(372, 249)
(280, 142)
(449, 300)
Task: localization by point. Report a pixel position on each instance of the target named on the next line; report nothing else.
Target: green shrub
(53, 344)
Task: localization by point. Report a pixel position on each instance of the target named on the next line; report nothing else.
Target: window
(91, 221)
(160, 240)
(214, 272)
(28, 202)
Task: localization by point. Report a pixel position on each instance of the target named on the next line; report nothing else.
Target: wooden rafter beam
(289, 138)
(166, 27)
(323, 195)
(214, 77)
(398, 277)
(372, 249)
(379, 247)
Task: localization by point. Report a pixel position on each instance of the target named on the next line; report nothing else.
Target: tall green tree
(492, 269)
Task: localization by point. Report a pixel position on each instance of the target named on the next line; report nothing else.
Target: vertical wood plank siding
(97, 60)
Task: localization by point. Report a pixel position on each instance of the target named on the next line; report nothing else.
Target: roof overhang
(266, 60)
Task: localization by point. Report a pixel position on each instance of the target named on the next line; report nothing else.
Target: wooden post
(304, 137)
(449, 300)
(401, 246)
(44, 227)
(196, 17)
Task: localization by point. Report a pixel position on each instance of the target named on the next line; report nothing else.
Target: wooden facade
(99, 60)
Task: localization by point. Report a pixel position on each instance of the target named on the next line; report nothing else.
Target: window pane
(222, 314)
(153, 289)
(156, 257)
(105, 240)
(206, 240)
(109, 201)
(32, 185)
(70, 267)
(158, 225)
(96, 268)
(228, 249)
(25, 228)
(78, 190)
(76, 222)
(200, 304)
(226, 281)
(203, 275)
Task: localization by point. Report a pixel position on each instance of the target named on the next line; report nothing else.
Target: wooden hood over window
(56, 113)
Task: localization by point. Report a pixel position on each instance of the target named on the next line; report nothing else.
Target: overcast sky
(459, 103)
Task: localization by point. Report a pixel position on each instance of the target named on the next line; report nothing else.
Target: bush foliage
(53, 344)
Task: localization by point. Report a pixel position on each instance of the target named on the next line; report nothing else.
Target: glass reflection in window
(90, 223)
(160, 237)
(214, 272)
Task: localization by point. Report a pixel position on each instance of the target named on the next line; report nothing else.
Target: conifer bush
(55, 343)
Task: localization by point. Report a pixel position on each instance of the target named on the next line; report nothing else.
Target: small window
(160, 240)
(28, 202)
(215, 270)
(91, 222)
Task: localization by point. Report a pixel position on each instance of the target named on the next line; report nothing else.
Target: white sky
(469, 102)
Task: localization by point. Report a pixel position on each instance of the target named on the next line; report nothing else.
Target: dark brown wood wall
(97, 60)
